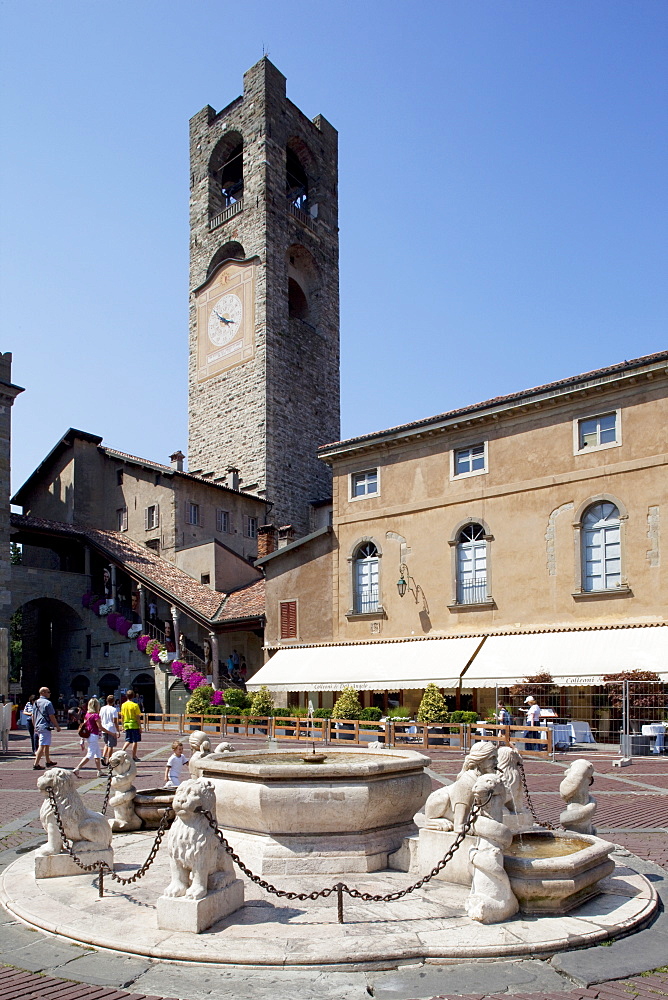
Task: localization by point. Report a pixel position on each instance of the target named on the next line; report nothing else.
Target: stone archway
(143, 685)
(53, 646)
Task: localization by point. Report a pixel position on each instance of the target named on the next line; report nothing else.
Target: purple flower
(155, 656)
(123, 626)
(195, 680)
(86, 599)
(142, 643)
(96, 605)
(112, 618)
(177, 668)
(218, 698)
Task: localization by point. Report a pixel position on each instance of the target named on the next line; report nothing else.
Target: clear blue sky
(502, 197)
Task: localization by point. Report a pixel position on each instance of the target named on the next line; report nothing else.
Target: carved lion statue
(195, 853)
(224, 748)
(82, 826)
(580, 805)
(123, 791)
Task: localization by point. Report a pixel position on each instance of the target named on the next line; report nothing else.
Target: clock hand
(222, 319)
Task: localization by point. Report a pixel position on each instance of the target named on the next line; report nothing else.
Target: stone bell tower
(264, 296)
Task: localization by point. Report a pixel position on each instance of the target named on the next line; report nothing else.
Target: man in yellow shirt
(131, 716)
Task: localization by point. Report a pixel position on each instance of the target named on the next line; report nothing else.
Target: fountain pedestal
(196, 915)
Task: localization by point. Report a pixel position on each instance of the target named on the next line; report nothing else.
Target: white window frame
(363, 472)
(251, 526)
(474, 472)
(152, 521)
(222, 518)
(193, 513)
(366, 577)
(122, 518)
(587, 449)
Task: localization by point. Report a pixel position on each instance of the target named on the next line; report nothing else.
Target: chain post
(339, 901)
(100, 881)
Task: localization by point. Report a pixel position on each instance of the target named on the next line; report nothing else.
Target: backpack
(84, 731)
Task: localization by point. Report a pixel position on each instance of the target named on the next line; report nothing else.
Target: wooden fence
(535, 740)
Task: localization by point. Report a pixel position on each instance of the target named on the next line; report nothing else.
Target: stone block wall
(268, 415)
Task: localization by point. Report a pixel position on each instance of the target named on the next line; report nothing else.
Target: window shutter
(157, 515)
(145, 518)
(288, 619)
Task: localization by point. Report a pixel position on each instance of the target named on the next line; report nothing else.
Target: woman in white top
(109, 720)
(533, 719)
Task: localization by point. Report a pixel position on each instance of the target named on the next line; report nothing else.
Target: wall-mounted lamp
(402, 585)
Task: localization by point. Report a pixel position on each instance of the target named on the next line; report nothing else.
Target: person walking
(6, 709)
(93, 727)
(131, 716)
(109, 721)
(28, 712)
(44, 720)
(502, 714)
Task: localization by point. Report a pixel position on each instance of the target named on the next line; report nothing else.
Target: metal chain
(544, 823)
(108, 791)
(101, 866)
(341, 887)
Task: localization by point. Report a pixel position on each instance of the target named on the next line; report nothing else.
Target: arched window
(303, 285)
(296, 180)
(365, 579)
(472, 565)
(230, 251)
(226, 172)
(601, 547)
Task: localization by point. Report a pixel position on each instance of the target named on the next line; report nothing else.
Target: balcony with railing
(366, 602)
(302, 216)
(473, 592)
(227, 213)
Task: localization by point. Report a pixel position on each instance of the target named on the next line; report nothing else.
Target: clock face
(225, 319)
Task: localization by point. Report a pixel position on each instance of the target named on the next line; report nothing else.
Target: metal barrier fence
(628, 715)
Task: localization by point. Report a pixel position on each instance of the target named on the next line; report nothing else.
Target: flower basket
(142, 642)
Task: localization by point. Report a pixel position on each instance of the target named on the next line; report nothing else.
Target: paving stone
(184, 983)
(469, 977)
(103, 969)
(42, 954)
(630, 956)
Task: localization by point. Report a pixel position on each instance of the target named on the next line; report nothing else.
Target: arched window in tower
(601, 547)
(365, 579)
(296, 177)
(303, 285)
(472, 565)
(230, 251)
(226, 173)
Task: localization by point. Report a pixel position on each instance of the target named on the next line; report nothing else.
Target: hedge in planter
(262, 703)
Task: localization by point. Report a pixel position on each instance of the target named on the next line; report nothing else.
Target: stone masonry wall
(268, 415)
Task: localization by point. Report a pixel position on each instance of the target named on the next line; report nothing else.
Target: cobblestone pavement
(633, 812)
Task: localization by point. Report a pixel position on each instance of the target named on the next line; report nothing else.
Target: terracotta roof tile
(215, 606)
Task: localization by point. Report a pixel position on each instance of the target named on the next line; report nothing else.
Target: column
(87, 560)
(175, 629)
(215, 669)
(141, 590)
(113, 585)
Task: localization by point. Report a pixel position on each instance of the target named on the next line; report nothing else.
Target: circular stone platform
(429, 924)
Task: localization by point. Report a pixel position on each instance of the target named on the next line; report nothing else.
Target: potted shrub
(262, 705)
(235, 701)
(348, 706)
(433, 709)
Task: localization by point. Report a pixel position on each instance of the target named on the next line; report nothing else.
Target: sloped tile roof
(573, 380)
(213, 605)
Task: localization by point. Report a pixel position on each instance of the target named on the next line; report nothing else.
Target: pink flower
(195, 680)
(142, 643)
(86, 599)
(177, 668)
(155, 656)
(123, 626)
(186, 672)
(218, 698)
(112, 619)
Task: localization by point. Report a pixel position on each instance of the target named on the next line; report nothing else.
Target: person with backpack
(90, 730)
(44, 720)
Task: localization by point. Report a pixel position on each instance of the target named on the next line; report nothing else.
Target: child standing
(175, 766)
(93, 725)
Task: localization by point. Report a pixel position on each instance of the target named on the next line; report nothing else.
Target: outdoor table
(658, 731)
(562, 735)
(581, 731)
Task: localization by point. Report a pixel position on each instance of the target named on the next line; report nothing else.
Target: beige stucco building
(534, 513)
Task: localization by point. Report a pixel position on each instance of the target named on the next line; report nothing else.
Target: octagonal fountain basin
(343, 814)
(553, 871)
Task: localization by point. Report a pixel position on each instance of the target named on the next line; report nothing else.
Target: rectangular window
(152, 516)
(89, 646)
(192, 513)
(288, 619)
(205, 578)
(598, 432)
(470, 461)
(154, 545)
(105, 649)
(251, 527)
(122, 519)
(223, 520)
(364, 484)
(119, 477)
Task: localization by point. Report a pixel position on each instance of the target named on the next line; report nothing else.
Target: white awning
(382, 666)
(572, 658)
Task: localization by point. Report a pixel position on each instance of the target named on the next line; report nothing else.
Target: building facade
(536, 512)
(264, 300)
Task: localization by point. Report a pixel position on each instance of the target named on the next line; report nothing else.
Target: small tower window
(297, 301)
(226, 170)
(296, 181)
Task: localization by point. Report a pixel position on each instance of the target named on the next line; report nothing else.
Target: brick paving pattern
(632, 809)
